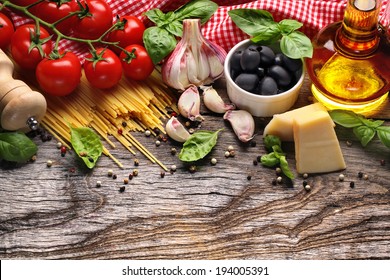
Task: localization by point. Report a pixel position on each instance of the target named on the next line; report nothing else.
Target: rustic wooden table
(214, 213)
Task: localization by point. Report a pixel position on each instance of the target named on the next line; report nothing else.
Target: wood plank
(214, 213)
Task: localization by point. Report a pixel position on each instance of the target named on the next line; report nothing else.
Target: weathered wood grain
(214, 213)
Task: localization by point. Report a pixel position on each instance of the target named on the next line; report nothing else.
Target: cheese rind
(281, 125)
(317, 149)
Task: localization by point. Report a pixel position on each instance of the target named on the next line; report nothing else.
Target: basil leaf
(86, 144)
(278, 151)
(251, 21)
(296, 45)
(198, 145)
(156, 16)
(287, 26)
(202, 9)
(364, 134)
(384, 135)
(269, 160)
(16, 146)
(175, 28)
(270, 141)
(345, 118)
(371, 123)
(285, 169)
(159, 43)
(269, 35)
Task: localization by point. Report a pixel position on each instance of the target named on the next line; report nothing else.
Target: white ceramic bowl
(260, 105)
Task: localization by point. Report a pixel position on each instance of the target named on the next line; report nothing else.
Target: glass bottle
(350, 67)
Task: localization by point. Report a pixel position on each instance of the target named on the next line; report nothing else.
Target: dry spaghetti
(142, 105)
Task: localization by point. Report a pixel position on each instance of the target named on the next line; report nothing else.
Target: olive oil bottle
(350, 67)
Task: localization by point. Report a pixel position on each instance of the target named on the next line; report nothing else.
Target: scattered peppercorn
(173, 151)
(173, 168)
(341, 177)
(191, 130)
(258, 158)
(279, 179)
(135, 172)
(360, 174)
(120, 131)
(125, 181)
(253, 143)
(124, 124)
(230, 148)
(90, 159)
(383, 162)
(49, 163)
(249, 177)
(63, 154)
(131, 176)
(213, 161)
(352, 184)
(278, 170)
(147, 133)
(59, 145)
(33, 158)
(110, 172)
(365, 177)
(274, 182)
(192, 169)
(305, 176)
(349, 143)
(304, 183)
(98, 184)
(187, 124)
(162, 174)
(122, 189)
(227, 154)
(255, 162)
(158, 143)
(232, 153)
(307, 187)
(136, 162)
(114, 176)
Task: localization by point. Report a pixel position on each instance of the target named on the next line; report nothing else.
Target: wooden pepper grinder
(21, 108)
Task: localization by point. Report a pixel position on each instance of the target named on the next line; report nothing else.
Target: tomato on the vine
(52, 11)
(95, 19)
(29, 47)
(6, 31)
(60, 74)
(130, 30)
(103, 69)
(136, 62)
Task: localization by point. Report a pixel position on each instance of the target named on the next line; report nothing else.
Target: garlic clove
(213, 101)
(189, 104)
(176, 130)
(195, 60)
(242, 123)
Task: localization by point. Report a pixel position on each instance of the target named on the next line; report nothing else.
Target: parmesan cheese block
(317, 148)
(281, 125)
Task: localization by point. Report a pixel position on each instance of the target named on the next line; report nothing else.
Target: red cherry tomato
(106, 71)
(130, 31)
(27, 48)
(23, 3)
(59, 76)
(6, 31)
(51, 11)
(95, 21)
(137, 64)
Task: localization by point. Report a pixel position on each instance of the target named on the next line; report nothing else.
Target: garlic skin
(189, 104)
(176, 130)
(213, 101)
(195, 60)
(242, 123)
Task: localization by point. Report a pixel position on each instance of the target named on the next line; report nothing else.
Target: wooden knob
(20, 109)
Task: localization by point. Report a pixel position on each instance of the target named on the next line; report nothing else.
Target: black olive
(235, 63)
(278, 59)
(267, 86)
(291, 64)
(250, 59)
(267, 56)
(280, 75)
(247, 81)
(260, 71)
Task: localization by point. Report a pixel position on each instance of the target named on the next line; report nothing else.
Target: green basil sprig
(160, 40)
(363, 128)
(86, 144)
(198, 145)
(16, 147)
(276, 156)
(262, 28)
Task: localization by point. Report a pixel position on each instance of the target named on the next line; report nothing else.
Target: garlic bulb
(213, 101)
(189, 104)
(242, 123)
(176, 130)
(195, 59)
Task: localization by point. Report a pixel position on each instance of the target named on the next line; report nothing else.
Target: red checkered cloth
(314, 14)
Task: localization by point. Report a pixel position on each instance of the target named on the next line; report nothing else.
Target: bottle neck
(358, 34)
